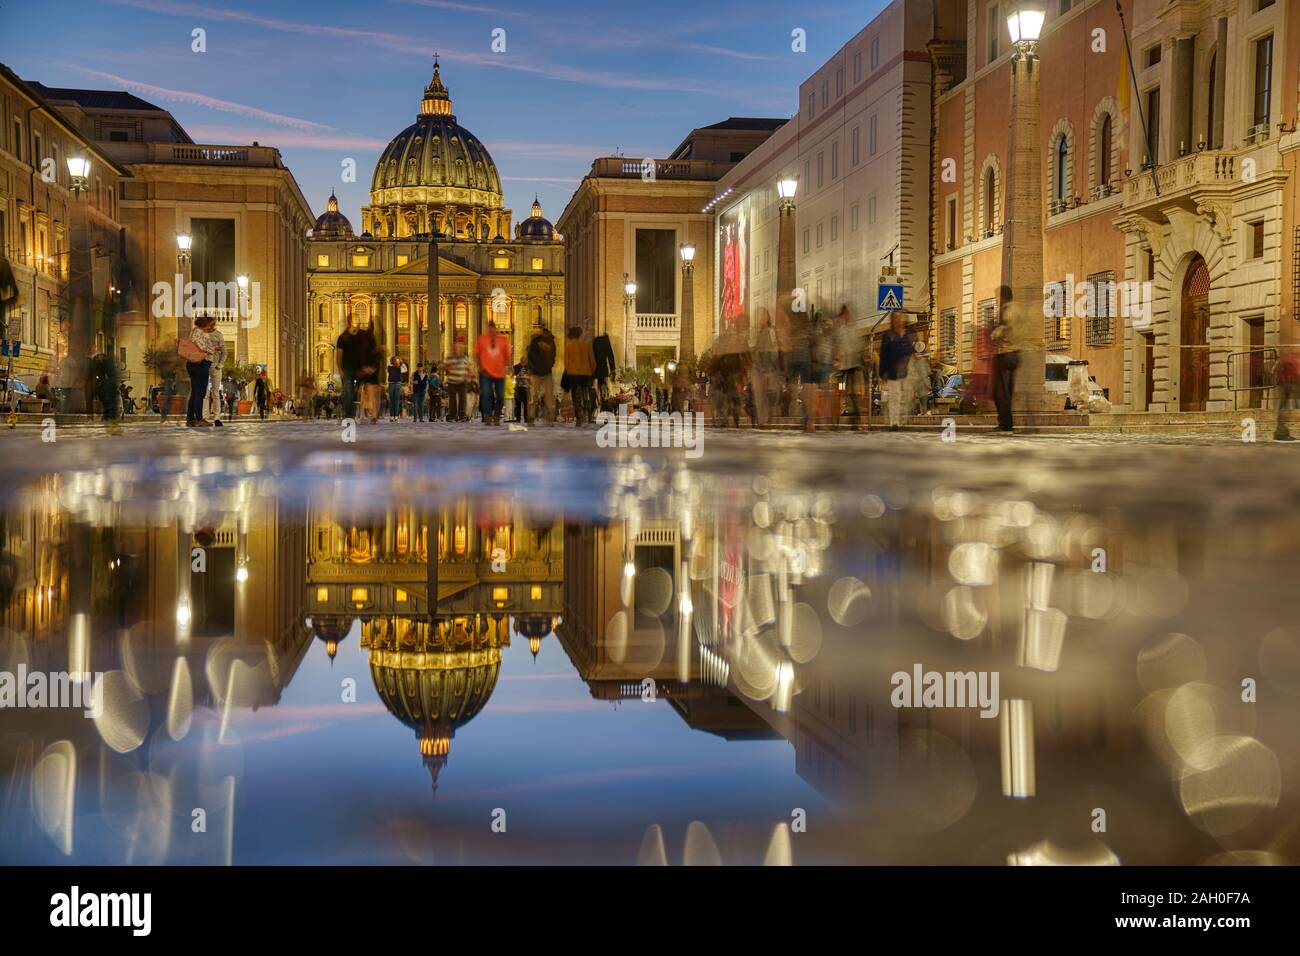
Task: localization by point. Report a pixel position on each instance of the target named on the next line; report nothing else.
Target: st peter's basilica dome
(436, 174)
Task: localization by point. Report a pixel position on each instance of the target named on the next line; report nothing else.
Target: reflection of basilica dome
(434, 680)
(533, 627)
(331, 628)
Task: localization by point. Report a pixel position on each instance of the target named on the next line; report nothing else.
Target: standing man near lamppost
(1011, 336)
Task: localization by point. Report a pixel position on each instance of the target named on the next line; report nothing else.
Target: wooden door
(1194, 368)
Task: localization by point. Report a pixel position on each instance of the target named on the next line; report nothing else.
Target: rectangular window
(18, 140)
(1153, 56)
(812, 105)
(875, 52)
(322, 261)
(1257, 240)
(835, 160)
(1263, 80)
(988, 313)
(1153, 125)
(538, 263)
(835, 228)
(819, 235)
(948, 336)
(871, 210)
(656, 271)
(853, 218)
(819, 170)
(953, 239)
(403, 259)
(806, 178)
(1101, 309)
(826, 93)
(363, 262)
(995, 32)
(1065, 6)
(212, 255)
(839, 82)
(807, 247)
(855, 142)
(871, 135)
(857, 67)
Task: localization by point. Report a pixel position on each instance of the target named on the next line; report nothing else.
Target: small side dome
(332, 224)
(536, 226)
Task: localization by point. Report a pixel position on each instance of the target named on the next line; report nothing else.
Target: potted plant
(163, 357)
(241, 373)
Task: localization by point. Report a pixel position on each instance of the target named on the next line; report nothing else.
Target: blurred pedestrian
(540, 361)
(394, 371)
(1009, 337)
(848, 364)
(896, 350)
(455, 376)
(492, 352)
(580, 371)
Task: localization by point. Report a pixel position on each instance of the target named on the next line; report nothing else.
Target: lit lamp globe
(786, 186)
(688, 252)
(1025, 22)
(78, 172)
(184, 241)
(629, 289)
(242, 281)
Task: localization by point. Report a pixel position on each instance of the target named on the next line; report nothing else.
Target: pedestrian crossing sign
(890, 297)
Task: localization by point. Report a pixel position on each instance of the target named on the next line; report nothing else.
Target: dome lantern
(437, 101)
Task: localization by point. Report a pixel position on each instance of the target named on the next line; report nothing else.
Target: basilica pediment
(420, 267)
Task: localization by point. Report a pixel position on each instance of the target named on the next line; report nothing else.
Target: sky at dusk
(335, 79)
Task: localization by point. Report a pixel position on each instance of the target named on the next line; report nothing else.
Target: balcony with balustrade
(657, 328)
(1192, 179)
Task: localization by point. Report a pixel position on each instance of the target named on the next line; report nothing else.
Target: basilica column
(340, 306)
(390, 323)
(413, 324)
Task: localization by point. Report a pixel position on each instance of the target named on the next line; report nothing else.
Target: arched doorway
(1194, 365)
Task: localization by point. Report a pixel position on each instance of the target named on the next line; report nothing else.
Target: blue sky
(336, 79)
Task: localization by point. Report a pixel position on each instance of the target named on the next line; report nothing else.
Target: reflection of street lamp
(687, 348)
(786, 187)
(629, 296)
(1022, 244)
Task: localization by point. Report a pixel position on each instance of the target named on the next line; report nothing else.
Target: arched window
(1062, 168)
(990, 200)
(1103, 152)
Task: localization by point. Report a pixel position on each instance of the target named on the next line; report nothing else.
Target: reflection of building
(433, 177)
(625, 655)
(629, 217)
(434, 593)
(434, 677)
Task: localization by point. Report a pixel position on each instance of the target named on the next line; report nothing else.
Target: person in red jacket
(493, 354)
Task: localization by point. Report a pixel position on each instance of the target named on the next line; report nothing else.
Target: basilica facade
(435, 179)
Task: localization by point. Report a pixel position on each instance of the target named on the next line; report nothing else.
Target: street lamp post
(80, 269)
(243, 315)
(629, 296)
(1022, 243)
(686, 350)
(184, 243)
(786, 187)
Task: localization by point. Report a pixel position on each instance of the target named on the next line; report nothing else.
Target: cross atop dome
(437, 101)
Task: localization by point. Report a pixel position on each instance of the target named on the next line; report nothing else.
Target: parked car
(1056, 374)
